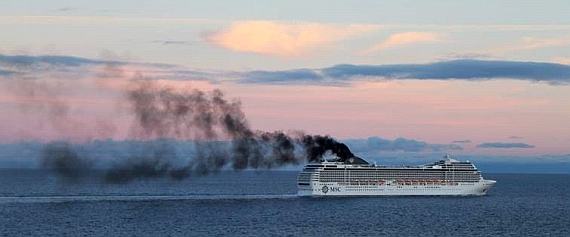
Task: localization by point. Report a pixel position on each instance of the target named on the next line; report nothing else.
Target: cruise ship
(356, 177)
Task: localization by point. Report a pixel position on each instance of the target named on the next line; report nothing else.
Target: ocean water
(35, 203)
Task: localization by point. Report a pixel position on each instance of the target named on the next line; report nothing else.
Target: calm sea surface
(34, 203)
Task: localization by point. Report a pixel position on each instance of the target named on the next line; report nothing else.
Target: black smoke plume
(215, 126)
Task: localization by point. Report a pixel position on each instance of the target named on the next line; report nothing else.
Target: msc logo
(326, 189)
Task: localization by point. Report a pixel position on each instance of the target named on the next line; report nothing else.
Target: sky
(408, 78)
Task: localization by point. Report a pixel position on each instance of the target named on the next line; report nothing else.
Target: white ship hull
(390, 189)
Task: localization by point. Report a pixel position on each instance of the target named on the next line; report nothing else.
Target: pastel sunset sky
(489, 78)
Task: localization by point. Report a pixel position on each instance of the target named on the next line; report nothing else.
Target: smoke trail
(65, 162)
(155, 162)
(50, 106)
(217, 129)
(164, 112)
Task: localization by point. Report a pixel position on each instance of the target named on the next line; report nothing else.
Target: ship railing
(423, 182)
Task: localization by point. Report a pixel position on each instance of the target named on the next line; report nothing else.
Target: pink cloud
(401, 39)
(532, 43)
(282, 39)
